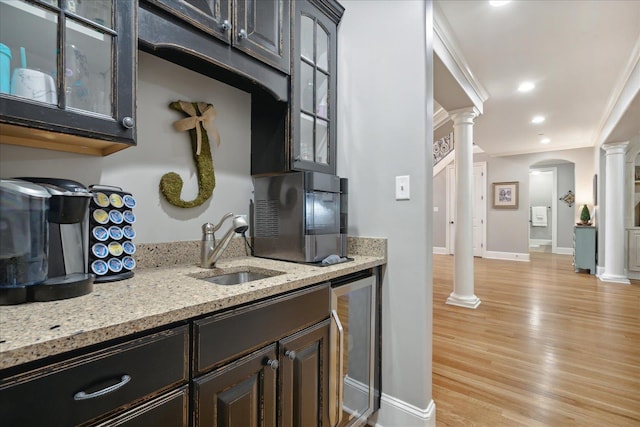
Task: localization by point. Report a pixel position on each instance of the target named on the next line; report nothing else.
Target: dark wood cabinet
(72, 83)
(259, 28)
(304, 377)
(169, 410)
(283, 341)
(302, 135)
(90, 387)
(242, 393)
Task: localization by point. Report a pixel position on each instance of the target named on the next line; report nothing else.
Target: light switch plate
(403, 191)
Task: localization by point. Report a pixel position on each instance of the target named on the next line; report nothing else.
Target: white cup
(34, 84)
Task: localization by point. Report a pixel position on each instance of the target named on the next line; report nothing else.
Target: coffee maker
(67, 220)
(24, 238)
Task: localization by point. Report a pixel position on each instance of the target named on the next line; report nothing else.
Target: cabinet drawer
(89, 386)
(168, 410)
(223, 337)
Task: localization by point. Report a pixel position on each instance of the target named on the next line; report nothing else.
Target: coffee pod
(115, 248)
(128, 247)
(99, 267)
(115, 232)
(128, 232)
(129, 263)
(116, 200)
(100, 233)
(129, 201)
(129, 217)
(101, 216)
(100, 250)
(115, 265)
(101, 200)
(115, 216)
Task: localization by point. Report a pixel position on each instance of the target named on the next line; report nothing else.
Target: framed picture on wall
(505, 195)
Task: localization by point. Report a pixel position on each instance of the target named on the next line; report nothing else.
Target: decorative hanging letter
(199, 123)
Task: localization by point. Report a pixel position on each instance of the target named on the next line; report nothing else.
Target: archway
(551, 206)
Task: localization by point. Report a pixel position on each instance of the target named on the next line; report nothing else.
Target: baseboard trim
(508, 256)
(633, 275)
(614, 278)
(564, 251)
(395, 412)
(438, 250)
(539, 242)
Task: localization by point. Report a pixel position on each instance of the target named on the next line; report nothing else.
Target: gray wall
(385, 94)
(161, 149)
(566, 213)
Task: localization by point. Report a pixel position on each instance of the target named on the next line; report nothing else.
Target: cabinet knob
(226, 25)
(128, 122)
(242, 34)
(290, 354)
(273, 364)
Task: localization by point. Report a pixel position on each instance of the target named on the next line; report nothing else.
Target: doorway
(551, 219)
(479, 208)
(542, 210)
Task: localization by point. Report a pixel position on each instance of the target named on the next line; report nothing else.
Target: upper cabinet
(259, 28)
(302, 135)
(67, 74)
(313, 87)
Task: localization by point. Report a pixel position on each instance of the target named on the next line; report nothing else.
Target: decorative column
(614, 241)
(462, 294)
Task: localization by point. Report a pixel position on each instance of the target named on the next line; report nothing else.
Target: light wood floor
(546, 347)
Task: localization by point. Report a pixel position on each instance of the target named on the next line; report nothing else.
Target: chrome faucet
(210, 252)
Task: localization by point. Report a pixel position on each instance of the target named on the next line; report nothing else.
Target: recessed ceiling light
(498, 3)
(537, 119)
(526, 87)
(545, 141)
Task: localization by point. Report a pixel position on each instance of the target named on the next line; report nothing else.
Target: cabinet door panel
(266, 30)
(304, 390)
(207, 15)
(242, 393)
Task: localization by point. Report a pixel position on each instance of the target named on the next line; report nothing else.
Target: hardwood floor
(546, 347)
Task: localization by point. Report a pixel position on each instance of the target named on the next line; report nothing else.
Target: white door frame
(451, 206)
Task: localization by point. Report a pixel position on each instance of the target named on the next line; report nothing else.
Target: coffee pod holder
(111, 233)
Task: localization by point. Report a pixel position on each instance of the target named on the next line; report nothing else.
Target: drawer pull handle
(273, 364)
(290, 354)
(81, 395)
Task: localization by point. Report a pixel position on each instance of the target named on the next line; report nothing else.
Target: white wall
(161, 149)
(385, 94)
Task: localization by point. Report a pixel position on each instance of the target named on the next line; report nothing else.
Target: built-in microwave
(297, 216)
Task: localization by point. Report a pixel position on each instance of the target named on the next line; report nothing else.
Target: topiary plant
(585, 216)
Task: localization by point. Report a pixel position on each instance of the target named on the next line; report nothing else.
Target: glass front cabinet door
(67, 74)
(313, 86)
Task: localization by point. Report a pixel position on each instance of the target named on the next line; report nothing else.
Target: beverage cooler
(355, 350)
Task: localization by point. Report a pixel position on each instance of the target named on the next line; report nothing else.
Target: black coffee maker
(67, 219)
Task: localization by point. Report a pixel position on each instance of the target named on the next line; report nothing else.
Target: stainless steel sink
(238, 277)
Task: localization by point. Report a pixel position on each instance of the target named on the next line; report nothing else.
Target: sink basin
(238, 277)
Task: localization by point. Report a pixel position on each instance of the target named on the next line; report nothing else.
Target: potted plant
(585, 216)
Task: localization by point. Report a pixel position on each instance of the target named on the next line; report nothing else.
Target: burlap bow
(207, 114)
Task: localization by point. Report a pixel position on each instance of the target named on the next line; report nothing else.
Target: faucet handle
(208, 228)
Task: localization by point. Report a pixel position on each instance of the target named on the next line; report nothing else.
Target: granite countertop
(155, 296)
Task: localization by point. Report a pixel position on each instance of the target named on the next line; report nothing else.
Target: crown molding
(447, 49)
(440, 117)
(621, 97)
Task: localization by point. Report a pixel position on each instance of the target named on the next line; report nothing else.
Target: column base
(615, 278)
(467, 302)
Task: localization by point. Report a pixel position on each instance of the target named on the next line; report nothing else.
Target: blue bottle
(5, 68)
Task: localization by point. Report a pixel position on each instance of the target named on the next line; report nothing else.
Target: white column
(614, 242)
(462, 294)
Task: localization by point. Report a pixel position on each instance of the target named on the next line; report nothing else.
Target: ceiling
(578, 54)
